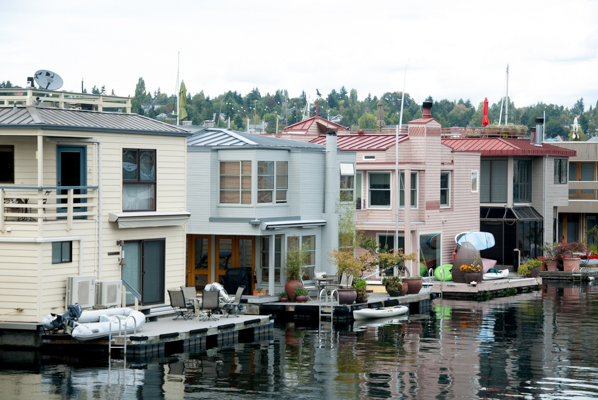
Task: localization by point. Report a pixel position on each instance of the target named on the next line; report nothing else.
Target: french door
(144, 269)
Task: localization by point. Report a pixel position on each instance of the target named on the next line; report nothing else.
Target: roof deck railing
(52, 98)
(505, 132)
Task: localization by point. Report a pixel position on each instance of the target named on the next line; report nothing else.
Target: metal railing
(29, 96)
(507, 131)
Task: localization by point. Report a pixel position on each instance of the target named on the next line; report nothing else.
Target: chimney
(533, 135)
(539, 132)
(427, 110)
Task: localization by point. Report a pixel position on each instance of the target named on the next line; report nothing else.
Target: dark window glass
(62, 252)
(7, 164)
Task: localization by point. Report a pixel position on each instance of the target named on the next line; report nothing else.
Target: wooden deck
(485, 288)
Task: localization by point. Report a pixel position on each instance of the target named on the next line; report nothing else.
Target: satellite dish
(48, 80)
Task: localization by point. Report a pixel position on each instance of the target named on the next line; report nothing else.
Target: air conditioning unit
(82, 290)
(109, 293)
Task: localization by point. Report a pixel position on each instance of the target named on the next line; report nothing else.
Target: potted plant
(360, 287)
(472, 273)
(301, 295)
(296, 258)
(259, 292)
(414, 284)
(550, 255)
(569, 253)
(347, 263)
(534, 267)
(394, 286)
(283, 297)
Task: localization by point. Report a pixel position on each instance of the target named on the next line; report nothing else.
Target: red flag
(485, 120)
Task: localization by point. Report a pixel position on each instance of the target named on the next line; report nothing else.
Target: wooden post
(69, 210)
(40, 207)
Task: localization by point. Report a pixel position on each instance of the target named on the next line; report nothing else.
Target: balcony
(51, 98)
(36, 205)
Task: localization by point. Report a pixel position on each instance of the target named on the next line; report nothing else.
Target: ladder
(328, 297)
(111, 340)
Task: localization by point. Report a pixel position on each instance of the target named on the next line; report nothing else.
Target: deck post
(1, 210)
(69, 210)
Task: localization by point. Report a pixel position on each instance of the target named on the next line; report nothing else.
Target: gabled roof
(506, 147)
(61, 118)
(306, 124)
(363, 142)
(210, 137)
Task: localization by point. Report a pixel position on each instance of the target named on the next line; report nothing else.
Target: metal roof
(306, 124)
(30, 116)
(225, 137)
(506, 147)
(363, 142)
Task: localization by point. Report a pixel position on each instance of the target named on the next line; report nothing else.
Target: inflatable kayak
(503, 273)
(444, 272)
(382, 312)
(96, 324)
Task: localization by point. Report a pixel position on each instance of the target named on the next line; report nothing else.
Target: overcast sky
(453, 49)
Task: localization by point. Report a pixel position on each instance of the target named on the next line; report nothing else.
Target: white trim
(448, 197)
(312, 223)
(477, 177)
(369, 205)
(149, 219)
(347, 169)
(416, 180)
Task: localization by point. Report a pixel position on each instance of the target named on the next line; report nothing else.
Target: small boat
(503, 273)
(95, 324)
(426, 287)
(382, 312)
(378, 322)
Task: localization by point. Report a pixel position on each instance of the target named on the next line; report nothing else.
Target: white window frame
(275, 189)
(390, 190)
(347, 169)
(314, 250)
(448, 190)
(241, 175)
(475, 175)
(413, 206)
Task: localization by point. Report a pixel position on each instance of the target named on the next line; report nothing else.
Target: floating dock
(486, 289)
(586, 274)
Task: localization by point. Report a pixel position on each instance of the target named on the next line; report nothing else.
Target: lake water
(537, 345)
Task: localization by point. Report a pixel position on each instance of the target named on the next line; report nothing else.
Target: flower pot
(534, 272)
(473, 277)
(361, 297)
(415, 285)
(551, 265)
(394, 294)
(259, 292)
(570, 264)
(346, 296)
(290, 288)
(302, 298)
(284, 299)
(405, 288)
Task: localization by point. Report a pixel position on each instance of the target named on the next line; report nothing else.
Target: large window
(265, 252)
(560, 170)
(445, 189)
(522, 181)
(272, 181)
(413, 190)
(308, 244)
(379, 190)
(347, 182)
(494, 181)
(235, 182)
(582, 172)
(62, 252)
(139, 180)
(7, 164)
(359, 190)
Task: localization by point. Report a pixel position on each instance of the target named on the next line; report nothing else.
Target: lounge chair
(208, 305)
(177, 302)
(189, 293)
(235, 307)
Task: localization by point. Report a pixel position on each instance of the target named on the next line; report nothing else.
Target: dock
(585, 274)
(486, 289)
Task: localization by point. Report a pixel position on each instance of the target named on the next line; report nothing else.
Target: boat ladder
(328, 297)
(111, 340)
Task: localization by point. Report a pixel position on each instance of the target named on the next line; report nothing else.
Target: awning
(149, 219)
(268, 226)
(524, 213)
(347, 169)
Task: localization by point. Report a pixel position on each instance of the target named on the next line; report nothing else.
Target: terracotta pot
(570, 264)
(405, 288)
(551, 265)
(361, 298)
(473, 277)
(534, 272)
(302, 298)
(290, 288)
(346, 296)
(415, 285)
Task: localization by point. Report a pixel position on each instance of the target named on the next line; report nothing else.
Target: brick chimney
(427, 110)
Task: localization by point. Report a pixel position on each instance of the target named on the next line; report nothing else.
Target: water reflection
(540, 344)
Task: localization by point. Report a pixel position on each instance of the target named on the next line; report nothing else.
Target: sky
(450, 49)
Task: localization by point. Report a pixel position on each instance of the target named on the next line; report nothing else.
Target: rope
(13, 313)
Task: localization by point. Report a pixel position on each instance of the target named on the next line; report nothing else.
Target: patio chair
(235, 307)
(208, 305)
(177, 302)
(345, 282)
(189, 293)
(309, 288)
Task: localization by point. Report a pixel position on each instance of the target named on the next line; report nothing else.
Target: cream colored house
(95, 196)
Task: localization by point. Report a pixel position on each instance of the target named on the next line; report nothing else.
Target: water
(536, 345)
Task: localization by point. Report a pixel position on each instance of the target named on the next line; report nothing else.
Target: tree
(238, 121)
(333, 99)
(578, 107)
(553, 128)
(367, 121)
(270, 119)
(139, 99)
(95, 90)
(353, 97)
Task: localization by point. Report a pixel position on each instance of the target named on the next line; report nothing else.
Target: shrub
(301, 291)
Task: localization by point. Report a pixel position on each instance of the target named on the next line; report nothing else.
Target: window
(359, 190)
(582, 172)
(370, 158)
(139, 180)
(413, 189)
(445, 190)
(522, 181)
(560, 170)
(429, 251)
(235, 182)
(493, 181)
(7, 164)
(474, 181)
(265, 258)
(272, 181)
(62, 252)
(379, 190)
(347, 182)
(308, 244)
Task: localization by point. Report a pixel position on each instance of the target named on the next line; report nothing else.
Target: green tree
(353, 97)
(367, 121)
(238, 121)
(139, 98)
(270, 119)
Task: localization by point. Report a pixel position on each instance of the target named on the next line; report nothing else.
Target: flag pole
(177, 87)
(397, 198)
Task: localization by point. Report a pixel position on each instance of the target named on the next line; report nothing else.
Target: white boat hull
(504, 273)
(384, 312)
